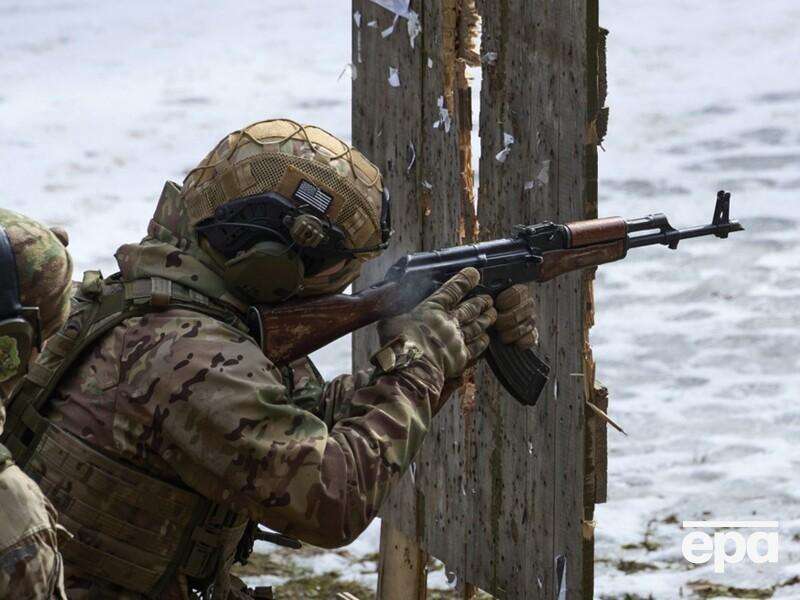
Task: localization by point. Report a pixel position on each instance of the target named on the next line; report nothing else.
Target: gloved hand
(516, 318)
(449, 332)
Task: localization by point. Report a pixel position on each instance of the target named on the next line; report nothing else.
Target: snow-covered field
(100, 102)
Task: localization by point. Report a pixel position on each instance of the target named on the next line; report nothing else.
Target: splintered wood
(502, 494)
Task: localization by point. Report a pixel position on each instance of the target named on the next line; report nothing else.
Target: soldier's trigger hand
(516, 317)
(449, 331)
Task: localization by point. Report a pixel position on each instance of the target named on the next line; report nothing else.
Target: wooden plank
(497, 491)
(387, 127)
(535, 91)
(422, 168)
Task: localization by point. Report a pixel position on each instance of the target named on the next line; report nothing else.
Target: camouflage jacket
(189, 398)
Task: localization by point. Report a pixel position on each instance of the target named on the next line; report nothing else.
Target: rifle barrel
(672, 237)
(720, 226)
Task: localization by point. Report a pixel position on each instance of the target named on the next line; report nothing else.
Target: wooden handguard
(585, 233)
(563, 261)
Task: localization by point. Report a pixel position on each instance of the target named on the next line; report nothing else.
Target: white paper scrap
(353, 72)
(543, 176)
(398, 7)
(390, 30)
(357, 18)
(508, 141)
(394, 77)
(413, 27)
(444, 121)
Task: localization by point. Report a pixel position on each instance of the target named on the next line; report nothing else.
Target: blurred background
(101, 102)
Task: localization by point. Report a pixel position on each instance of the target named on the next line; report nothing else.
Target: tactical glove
(448, 332)
(516, 322)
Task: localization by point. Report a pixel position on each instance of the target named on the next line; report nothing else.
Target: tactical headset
(20, 323)
(264, 262)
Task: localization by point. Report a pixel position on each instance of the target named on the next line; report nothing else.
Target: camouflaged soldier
(35, 272)
(167, 434)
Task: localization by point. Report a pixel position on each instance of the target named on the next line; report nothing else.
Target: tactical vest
(130, 528)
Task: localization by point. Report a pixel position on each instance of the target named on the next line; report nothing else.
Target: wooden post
(499, 492)
(402, 572)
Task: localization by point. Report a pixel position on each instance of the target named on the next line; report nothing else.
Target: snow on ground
(700, 347)
(101, 102)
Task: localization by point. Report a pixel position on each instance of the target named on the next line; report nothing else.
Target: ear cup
(17, 339)
(268, 272)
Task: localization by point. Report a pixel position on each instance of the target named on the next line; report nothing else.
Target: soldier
(163, 434)
(35, 273)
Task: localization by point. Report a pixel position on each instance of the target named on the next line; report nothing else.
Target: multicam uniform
(183, 406)
(190, 399)
(30, 565)
(166, 431)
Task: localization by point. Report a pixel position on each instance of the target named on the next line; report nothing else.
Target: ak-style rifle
(534, 253)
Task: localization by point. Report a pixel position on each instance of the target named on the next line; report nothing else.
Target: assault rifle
(534, 253)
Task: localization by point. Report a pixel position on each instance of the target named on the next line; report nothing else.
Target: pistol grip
(521, 372)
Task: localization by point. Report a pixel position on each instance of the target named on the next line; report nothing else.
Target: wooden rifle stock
(296, 328)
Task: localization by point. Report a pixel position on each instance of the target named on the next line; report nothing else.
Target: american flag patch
(313, 196)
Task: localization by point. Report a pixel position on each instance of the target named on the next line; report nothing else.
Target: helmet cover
(285, 157)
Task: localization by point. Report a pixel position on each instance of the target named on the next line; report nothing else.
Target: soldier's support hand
(516, 318)
(450, 332)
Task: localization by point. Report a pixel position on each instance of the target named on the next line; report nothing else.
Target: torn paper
(398, 7)
(353, 72)
(357, 18)
(413, 27)
(390, 30)
(394, 77)
(508, 141)
(373, 24)
(444, 121)
(542, 176)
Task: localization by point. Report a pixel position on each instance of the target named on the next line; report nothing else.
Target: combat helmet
(35, 288)
(287, 210)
